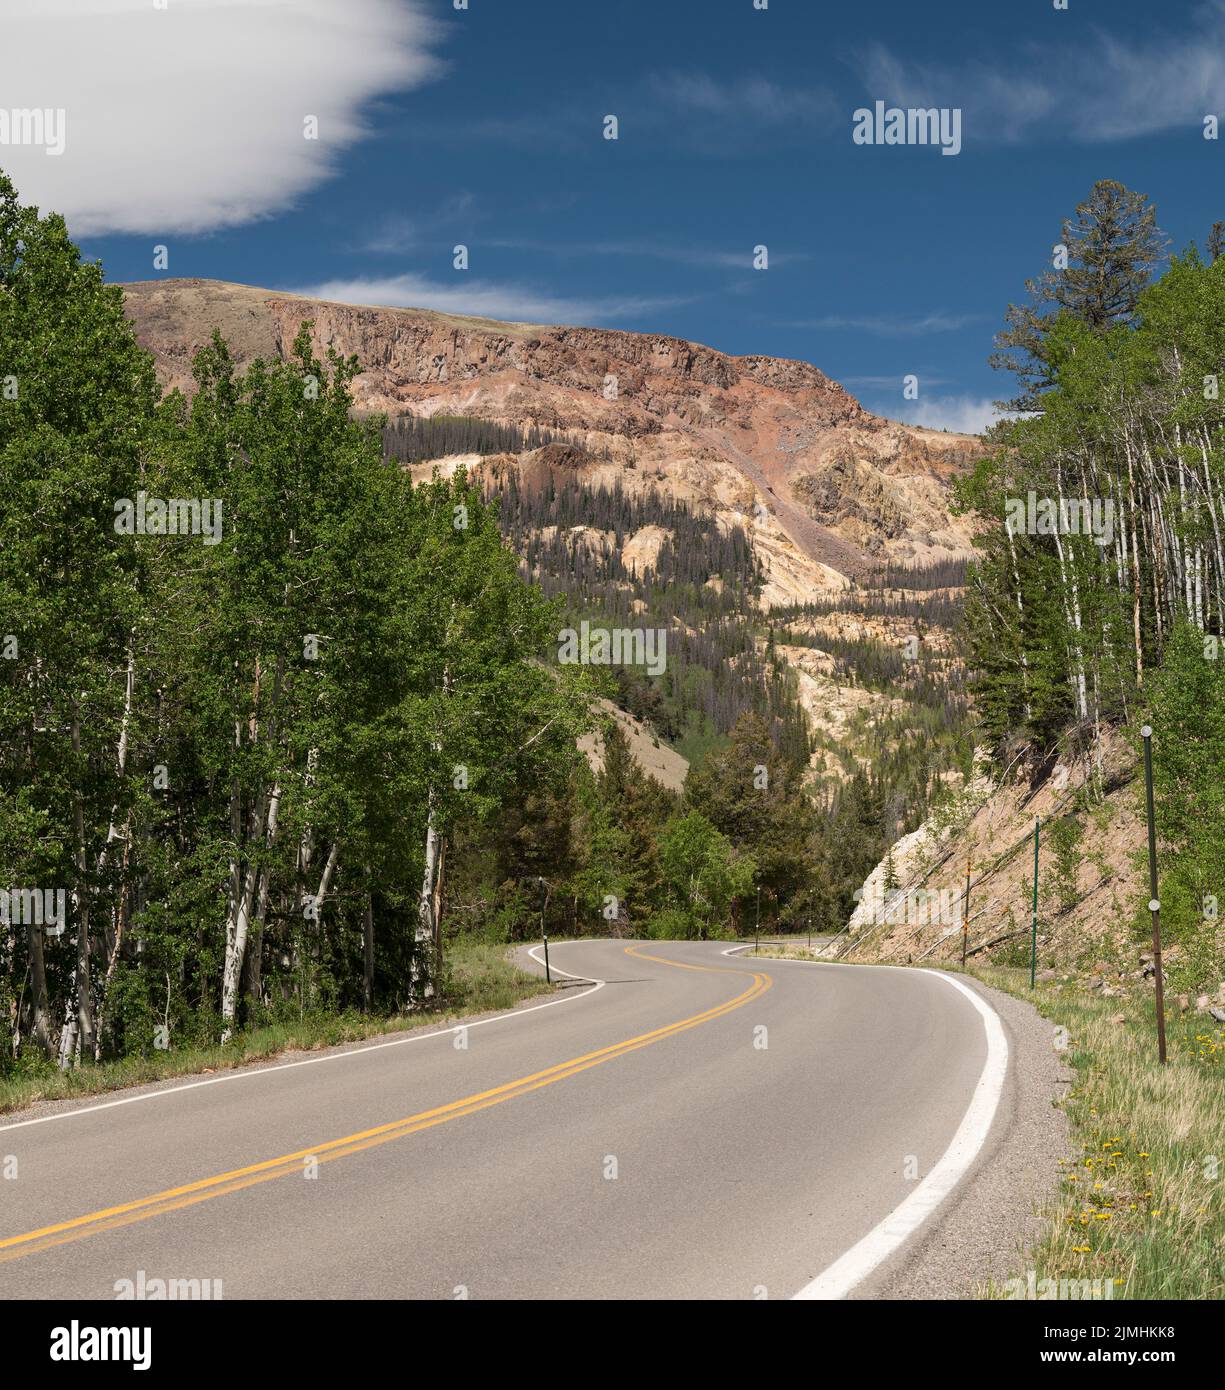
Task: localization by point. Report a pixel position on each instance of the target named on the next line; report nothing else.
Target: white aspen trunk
(234, 879)
(1120, 551)
(121, 756)
(113, 833)
(236, 951)
(82, 984)
(1016, 584)
(325, 882)
(236, 947)
(1188, 580)
(235, 927)
(1161, 556)
(118, 921)
(1218, 547)
(438, 877)
(68, 1033)
(1199, 587)
(1071, 608)
(1137, 627)
(423, 967)
(425, 942)
(40, 1022)
(254, 963)
(306, 846)
(1098, 771)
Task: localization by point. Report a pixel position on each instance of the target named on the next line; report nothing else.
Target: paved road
(695, 1126)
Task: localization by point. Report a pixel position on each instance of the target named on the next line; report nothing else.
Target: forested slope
(1097, 603)
(281, 719)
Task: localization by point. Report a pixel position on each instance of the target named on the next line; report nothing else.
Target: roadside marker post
(1033, 951)
(544, 931)
(1154, 902)
(757, 934)
(965, 918)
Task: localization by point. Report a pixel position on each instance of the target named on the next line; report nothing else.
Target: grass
(790, 952)
(481, 979)
(1141, 1198)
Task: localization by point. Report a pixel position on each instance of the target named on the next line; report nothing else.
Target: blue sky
(485, 126)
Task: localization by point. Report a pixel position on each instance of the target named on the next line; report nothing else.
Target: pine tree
(1112, 245)
(756, 798)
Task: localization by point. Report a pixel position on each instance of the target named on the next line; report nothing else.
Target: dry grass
(481, 980)
(799, 951)
(1141, 1199)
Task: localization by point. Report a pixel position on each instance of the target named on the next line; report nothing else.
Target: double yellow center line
(176, 1198)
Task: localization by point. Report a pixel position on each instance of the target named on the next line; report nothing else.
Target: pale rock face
(641, 550)
(904, 855)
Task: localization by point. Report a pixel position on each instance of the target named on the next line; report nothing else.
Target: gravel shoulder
(986, 1226)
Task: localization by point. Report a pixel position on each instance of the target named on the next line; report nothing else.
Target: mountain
(826, 490)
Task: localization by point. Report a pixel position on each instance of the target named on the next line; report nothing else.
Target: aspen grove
(1076, 627)
(239, 754)
(1067, 622)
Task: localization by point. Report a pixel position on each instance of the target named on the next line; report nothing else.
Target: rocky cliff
(827, 489)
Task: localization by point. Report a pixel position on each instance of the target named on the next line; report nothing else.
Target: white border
(904, 1220)
(245, 1073)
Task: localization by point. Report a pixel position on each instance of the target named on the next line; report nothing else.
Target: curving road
(679, 1123)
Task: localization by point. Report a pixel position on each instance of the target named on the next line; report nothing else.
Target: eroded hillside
(830, 489)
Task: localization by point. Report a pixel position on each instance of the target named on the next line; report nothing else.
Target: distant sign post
(1154, 902)
(544, 931)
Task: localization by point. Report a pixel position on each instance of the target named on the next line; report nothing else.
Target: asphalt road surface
(691, 1125)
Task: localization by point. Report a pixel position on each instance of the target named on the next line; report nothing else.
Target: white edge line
(904, 1220)
(246, 1073)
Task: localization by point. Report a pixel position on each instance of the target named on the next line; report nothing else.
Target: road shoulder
(987, 1224)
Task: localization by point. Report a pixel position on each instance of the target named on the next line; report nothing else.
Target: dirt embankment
(914, 905)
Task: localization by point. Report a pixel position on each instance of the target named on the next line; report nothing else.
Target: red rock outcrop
(828, 489)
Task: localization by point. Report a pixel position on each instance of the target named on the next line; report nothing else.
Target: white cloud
(893, 380)
(394, 234)
(483, 299)
(1103, 88)
(746, 98)
(885, 326)
(961, 414)
(692, 256)
(191, 118)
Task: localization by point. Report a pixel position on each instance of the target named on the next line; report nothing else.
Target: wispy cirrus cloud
(752, 97)
(694, 110)
(696, 256)
(1100, 89)
(397, 233)
(890, 325)
(486, 299)
(892, 380)
(191, 117)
